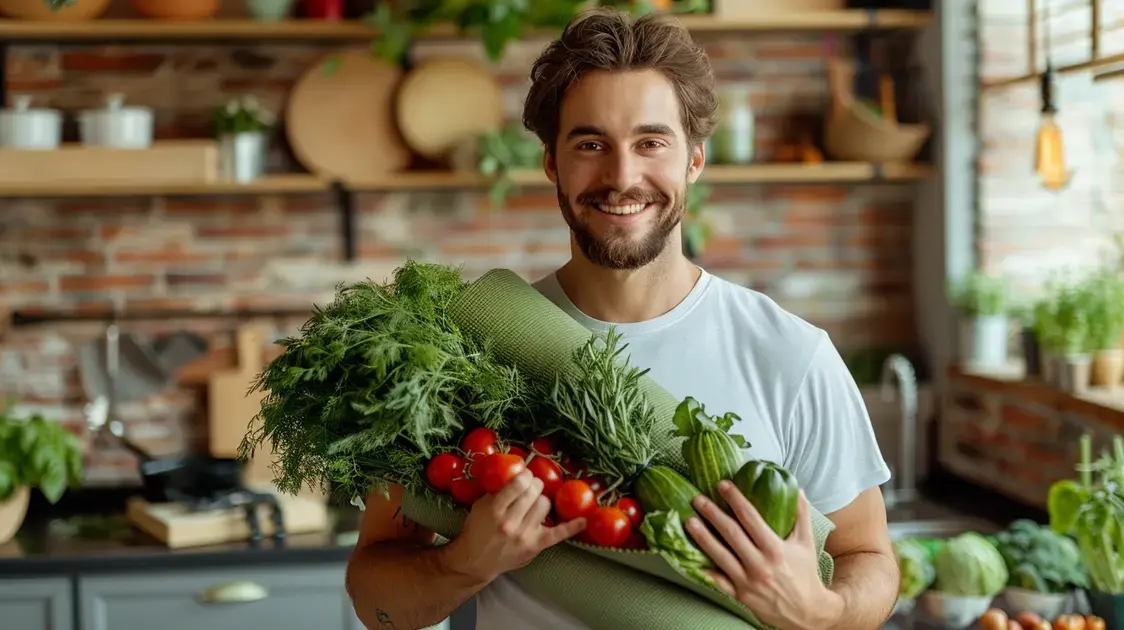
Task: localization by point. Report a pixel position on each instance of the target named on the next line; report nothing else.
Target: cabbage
(970, 565)
(916, 568)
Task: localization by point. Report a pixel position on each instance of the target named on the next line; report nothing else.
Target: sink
(941, 528)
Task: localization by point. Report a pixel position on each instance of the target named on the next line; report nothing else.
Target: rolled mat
(607, 589)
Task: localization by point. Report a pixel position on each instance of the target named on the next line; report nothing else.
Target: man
(623, 107)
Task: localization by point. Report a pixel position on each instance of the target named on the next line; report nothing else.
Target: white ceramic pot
(25, 127)
(117, 126)
(983, 342)
(1045, 605)
(242, 156)
(955, 612)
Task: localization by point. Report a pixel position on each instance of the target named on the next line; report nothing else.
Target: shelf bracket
(345, 201)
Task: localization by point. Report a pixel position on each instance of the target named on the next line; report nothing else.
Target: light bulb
(1049, 154)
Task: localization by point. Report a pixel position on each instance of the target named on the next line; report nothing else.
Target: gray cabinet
(36, 604)
(277, 597)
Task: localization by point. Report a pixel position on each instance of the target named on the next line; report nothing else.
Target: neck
(623, 296)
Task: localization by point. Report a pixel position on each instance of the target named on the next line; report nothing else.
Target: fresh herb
(601, 409)
(376, 383)
(1093, 512)
(39, 453)
(1040, 559)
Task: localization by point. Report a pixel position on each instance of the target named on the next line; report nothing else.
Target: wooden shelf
(142, 29)
(828, 172)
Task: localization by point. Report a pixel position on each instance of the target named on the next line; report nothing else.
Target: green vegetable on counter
(773, 491)
(918, 572)
(1040, 559)
(1093, 512)
(969, 565)
(711, 452)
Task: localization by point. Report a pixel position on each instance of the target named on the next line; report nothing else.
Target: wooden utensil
(445, 102)
(340, 121)
(231, 408)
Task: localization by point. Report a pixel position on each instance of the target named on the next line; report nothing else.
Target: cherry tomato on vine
(480, 443)
(518, 451)
(542, 446)
(631, 508)
(597, 484)
(549, 473)
(572, 467)
(467, 490)
(495, 470)
(442, 470)
(608, 527)
(573, 499)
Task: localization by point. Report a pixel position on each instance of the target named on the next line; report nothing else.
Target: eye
(589, 146)
(651, 144)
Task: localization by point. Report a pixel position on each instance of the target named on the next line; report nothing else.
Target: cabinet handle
(242, 592)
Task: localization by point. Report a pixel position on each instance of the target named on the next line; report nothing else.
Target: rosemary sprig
(602, 411)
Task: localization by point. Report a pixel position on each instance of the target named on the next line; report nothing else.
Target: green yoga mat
(607, 589)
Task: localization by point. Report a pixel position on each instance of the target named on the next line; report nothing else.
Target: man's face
(622, 165)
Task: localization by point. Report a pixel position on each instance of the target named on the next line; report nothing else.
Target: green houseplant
(1103, 303)
(34, 453)
(983, 305)
(1092, 511)
(242, 127)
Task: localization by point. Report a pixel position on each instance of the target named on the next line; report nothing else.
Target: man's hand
(777, 579)
(505, 531)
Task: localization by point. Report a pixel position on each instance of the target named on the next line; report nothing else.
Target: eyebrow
(647, 128)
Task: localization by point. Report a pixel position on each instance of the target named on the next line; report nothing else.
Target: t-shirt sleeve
(830, 445)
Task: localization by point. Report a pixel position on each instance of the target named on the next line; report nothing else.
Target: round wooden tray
(447, 101)
(340, 123)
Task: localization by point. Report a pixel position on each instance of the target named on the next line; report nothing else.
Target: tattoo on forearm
(384, 619)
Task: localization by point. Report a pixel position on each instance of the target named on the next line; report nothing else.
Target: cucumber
(661, 489)
(711, 453)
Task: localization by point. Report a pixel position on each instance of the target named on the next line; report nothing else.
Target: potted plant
(970, 572)
(1092, 511)
(34, 453)
(983, 305)
(503, 152)
(1044, 567)
(242, 127)
(1046, 335)
(1103, 298)
(1070, 341)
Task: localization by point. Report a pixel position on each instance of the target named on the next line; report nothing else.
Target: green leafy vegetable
(375, 383)
(918, 572)
(39, 453)
(1093, 512)
(970, 565)
(665, 534)
(1040, 559)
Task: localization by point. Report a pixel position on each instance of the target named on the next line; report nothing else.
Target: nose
(621, 171)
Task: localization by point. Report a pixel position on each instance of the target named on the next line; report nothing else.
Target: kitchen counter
(90, 534)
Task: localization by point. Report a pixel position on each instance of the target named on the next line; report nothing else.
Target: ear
(697, 160)
(549, 167)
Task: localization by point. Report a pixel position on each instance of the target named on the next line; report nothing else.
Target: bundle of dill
(375, 384)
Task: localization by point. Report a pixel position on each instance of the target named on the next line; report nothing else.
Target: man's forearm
(404, 586)
(867, 585)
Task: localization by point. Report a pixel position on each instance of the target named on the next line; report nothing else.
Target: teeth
(629, 209)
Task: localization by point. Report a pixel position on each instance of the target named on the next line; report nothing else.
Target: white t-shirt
(735, 349)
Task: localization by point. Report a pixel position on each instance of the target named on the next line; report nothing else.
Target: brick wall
(838, 255)
(1024, 230)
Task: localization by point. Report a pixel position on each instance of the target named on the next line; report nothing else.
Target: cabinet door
(276, 597)
(36, 604)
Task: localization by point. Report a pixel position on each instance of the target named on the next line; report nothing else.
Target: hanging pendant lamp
(1049, 150)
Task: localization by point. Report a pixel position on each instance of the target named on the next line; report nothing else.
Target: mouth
(621, 210)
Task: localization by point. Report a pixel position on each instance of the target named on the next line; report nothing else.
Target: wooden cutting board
(231, 408)
(445, 102)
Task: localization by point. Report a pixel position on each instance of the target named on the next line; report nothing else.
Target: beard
(617, 249)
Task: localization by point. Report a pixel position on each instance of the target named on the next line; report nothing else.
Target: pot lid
(115, 102)
(22, 103)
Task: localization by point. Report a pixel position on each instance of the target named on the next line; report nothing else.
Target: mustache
(615, 197)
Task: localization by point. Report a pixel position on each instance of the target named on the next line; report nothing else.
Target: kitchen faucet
(903, 486)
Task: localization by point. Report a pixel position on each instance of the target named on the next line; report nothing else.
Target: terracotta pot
(39, 11)
(177, 9)
(1107, 368)
(12, 513)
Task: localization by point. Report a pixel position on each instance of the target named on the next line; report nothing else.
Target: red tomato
(636, 540)
(497, 469)
(548, 522)
(596, 484)
(480, 443)
(442, 470)
(573, 499)
(519, 451)
(608, 527)
(630, 507)
(549, 473)
(571, 467)
(467, 491)
(542, 446)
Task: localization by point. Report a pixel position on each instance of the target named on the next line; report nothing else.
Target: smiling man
(623, 106)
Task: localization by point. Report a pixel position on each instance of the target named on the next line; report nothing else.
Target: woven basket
(853, 132)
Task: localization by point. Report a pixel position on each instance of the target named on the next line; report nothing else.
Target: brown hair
(604, 38)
